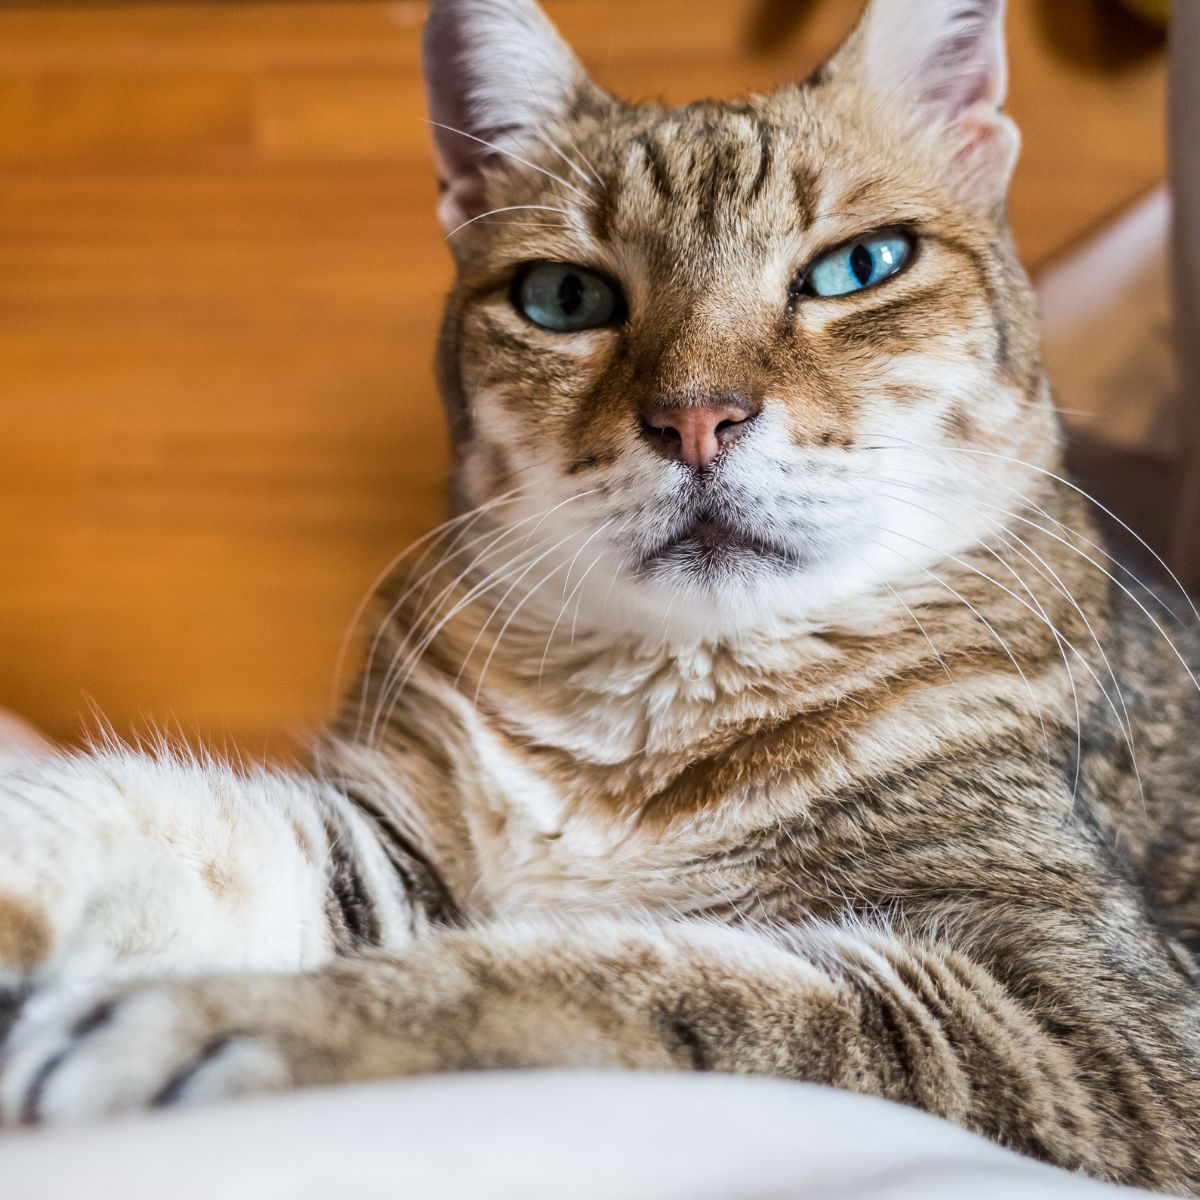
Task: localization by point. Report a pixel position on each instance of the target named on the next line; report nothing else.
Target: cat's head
(757, 356)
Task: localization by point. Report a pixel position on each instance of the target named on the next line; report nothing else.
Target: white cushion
(535, 1136)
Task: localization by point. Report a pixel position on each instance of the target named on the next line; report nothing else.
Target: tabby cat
(770, 706)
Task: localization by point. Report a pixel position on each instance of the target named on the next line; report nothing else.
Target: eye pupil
(565, 298)
(570, 294)
(862, 263)
(857, 265)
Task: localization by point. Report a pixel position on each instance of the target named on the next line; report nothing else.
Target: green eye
(566, 298)
(859, 265)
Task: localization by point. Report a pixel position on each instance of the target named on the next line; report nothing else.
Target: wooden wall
(219, 284)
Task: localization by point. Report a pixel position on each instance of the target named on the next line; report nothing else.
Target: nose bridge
(699, 352)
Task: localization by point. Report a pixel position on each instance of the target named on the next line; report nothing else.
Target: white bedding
(534, 1137)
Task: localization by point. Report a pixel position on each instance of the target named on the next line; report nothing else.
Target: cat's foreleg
(870, 1011)
(118, 864)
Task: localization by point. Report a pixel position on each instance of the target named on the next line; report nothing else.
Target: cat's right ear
(944, 62)
(496, 74)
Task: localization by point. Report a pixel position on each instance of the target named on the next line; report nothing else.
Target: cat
(771, 704)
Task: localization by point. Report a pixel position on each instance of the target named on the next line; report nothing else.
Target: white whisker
(1126, 730)
(402, 669)
(567, 599)
(916, 621)
(487, 662)
(1124, 721)
(1085, 495)
(432, 537)
(496, 540)
(1034, 507)
(982, 620)
(584, 175)
(508, 208)
(515, 157)
(500, 604)
(408, 658)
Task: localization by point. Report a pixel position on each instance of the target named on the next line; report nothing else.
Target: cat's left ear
(943, 63)
(497, 73)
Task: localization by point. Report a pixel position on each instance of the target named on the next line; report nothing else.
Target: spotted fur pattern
(891, 788)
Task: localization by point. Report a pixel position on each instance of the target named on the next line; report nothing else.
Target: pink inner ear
(978, 127)
(953, 60)
(968, 83)
(986, 151)
(448, 55)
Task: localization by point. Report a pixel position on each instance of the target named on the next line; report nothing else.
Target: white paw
(77, 1055)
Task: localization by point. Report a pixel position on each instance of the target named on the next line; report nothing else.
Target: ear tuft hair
(961, 61)
(494, 70)
(944, 61)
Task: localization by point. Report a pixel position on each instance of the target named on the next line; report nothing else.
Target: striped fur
(896, 793)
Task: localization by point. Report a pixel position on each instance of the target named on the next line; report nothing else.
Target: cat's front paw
(76, 1056)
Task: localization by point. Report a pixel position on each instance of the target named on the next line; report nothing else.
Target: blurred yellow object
(1153, 10)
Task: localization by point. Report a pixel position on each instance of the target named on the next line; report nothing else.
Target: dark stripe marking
(804, 187)
(655, 165)
(89, 1023)
(766, 143)
(173, 1088)
(687, 1037)
(422, 881)
(348, 903)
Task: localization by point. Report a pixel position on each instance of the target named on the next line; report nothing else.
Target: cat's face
(760, 355)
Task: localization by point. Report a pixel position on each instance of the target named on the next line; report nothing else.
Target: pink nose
(696, 433)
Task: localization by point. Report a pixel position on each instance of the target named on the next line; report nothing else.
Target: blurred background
(220, 279)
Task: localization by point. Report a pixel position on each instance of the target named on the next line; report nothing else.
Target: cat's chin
(716, 552)
(693, 593)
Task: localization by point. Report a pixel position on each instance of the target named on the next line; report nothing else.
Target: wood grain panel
(219, 288)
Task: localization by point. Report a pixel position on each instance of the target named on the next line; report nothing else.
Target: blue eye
(859, 265)
(566, 298)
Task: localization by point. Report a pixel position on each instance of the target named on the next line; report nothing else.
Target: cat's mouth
(712, 545)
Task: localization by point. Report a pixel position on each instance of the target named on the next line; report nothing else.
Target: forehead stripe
(804, 186)
(655, 164)
(767, 144)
